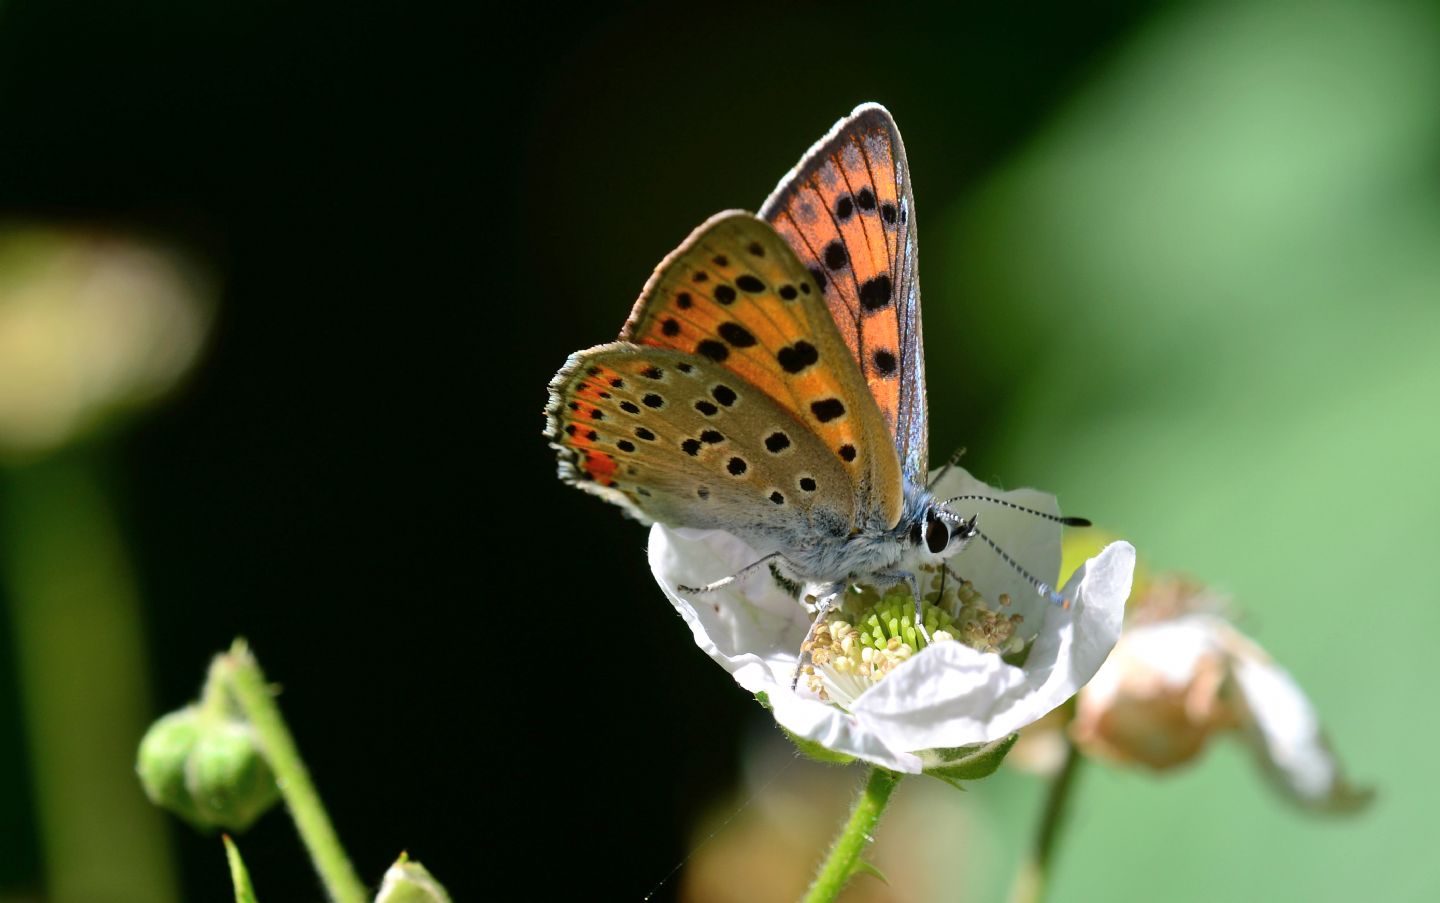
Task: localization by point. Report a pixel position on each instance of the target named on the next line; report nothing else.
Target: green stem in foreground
(1034, 875)
(255, 700)
(843, 860)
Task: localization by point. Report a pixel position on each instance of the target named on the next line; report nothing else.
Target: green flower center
(869, 634)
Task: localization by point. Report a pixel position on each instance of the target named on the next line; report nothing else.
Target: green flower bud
(205, 767)
(410, 882)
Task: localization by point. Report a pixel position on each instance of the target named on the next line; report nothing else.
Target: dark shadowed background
(1179, 267)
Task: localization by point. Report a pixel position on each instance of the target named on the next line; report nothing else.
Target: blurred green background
(1181, 266)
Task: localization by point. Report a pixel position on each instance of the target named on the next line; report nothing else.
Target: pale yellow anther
(874, 634)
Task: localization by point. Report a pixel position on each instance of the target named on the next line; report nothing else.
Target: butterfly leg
(827, 599)
(951, 571)
(723, 582)
(909, 578)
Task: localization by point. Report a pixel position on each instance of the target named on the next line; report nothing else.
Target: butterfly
(770, 380)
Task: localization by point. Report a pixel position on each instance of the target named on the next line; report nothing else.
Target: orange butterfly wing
(735, 293)
(848, 213)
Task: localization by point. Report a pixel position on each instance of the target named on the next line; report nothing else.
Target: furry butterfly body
(770, 380)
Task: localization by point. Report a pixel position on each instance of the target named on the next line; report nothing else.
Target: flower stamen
(870, 635)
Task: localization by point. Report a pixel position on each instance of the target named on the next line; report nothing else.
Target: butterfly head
(940, 532)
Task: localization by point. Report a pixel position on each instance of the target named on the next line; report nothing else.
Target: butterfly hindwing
(680, 439)
(848, 212)
(735, 296)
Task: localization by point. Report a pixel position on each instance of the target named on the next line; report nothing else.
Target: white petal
(834, 729)
(956, 695)
(1287, 738)
(753, 629)
(951, 695)
(1032, 541)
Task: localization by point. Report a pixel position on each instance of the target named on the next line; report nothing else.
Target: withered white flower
(1181, 674)
(945, 695)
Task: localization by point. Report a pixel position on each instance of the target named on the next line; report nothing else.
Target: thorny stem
(1032, 880)
(843, 860)
(253, 695)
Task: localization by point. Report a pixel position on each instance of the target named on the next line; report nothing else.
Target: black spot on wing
(875, 293)
(777, 442)
(884, 362)
(827, 409)
(736, 335)
(795, 358)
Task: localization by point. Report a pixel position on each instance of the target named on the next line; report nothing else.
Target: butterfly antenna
(1040, 587)
(940, 474)
(1067, 521)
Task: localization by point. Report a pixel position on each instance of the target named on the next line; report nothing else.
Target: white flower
(1173, 683)
(946, 695)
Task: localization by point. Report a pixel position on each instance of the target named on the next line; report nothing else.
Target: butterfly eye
(937, 535)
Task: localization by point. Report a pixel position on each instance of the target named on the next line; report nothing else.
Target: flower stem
(1034, 875)
(80, 661)
(843, 860)
(254, 697)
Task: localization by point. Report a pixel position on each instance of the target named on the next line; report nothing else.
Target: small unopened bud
(410, 882)
(205, 767)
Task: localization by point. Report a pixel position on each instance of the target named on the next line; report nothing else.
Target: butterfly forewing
(848, 212)
(682, 440)
(735, 296)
